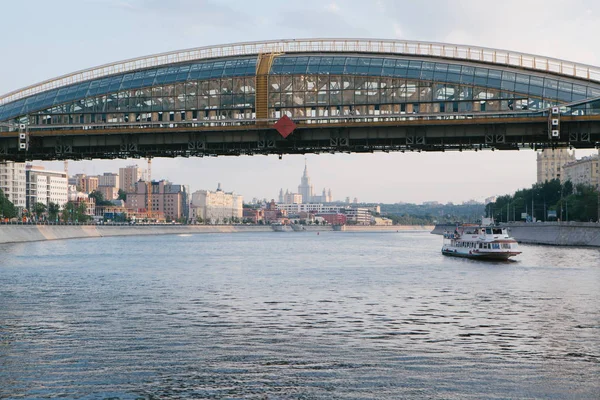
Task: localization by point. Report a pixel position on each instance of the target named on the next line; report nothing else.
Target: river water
(334, 315)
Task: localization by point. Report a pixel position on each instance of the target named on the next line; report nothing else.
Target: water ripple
(331, 316)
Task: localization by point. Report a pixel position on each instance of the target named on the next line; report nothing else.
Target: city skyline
(379, 177)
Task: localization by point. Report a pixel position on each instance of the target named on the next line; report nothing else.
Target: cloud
(398, 33)
(333, 8)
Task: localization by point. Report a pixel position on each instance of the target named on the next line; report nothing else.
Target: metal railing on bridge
(302, 121)
(371, 46)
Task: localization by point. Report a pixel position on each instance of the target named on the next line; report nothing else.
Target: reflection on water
(295, 315)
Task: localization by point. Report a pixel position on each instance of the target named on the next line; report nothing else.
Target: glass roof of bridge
(535, 85)
(133, 80)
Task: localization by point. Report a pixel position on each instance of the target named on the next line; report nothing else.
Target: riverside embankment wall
(32, 233)
(550, 233)
(556, 233)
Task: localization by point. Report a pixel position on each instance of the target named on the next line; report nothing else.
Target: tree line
(432, 213)
(71, 211)
(548, 201)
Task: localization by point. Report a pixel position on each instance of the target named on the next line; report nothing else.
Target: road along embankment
(549, 233)
(33, 233)
(390, 228)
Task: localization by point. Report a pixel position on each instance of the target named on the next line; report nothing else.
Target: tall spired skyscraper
(306, 193)
(305, 188)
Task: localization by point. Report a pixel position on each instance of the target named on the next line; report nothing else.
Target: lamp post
(561, 197)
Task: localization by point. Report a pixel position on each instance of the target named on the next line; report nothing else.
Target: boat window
(495, 245)
(497, 231)
(488, 231)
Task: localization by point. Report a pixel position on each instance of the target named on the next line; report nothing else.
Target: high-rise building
(109, 192)
(167, 198)
(305, 188)
(85, 183)
(215, 207)
(13, 183)
(306, 193)
(550, 163)
(90, 184)
(582, 171)
(108, 179)
(108, 185)
(44, 186)
(325, 197)
(129, 176)
(292, 198)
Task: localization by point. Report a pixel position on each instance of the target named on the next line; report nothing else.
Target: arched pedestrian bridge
(343, 95)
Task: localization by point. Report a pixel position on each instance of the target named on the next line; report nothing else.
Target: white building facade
(296, 208)
(215, 207)
(359, 216)
(13, 183)
(45, 186)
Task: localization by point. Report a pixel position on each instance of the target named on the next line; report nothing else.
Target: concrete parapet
(32, 233)
(556, 233)
(550, 233)
(387, 228)
(441, 228)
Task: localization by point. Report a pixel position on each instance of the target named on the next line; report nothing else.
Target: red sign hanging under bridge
(285, 126)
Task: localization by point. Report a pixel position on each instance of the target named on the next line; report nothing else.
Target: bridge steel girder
(436, 135)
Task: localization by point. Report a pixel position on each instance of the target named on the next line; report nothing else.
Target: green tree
(99, 198)
(122, 195)
(568, 188)
(53, 210)
(581, 203)
(73, 212)
(81, 213)
(7, 208)
(39, 209)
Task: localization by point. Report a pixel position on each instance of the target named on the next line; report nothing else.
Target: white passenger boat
(481, 242)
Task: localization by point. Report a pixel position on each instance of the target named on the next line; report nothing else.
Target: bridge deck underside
(250, 140)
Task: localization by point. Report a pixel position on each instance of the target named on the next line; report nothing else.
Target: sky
(52, 38)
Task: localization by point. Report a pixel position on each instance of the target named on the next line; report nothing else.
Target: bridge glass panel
(414, 70)
(407, 83)
(467, 75)
(440, 72)
(481, 75)
(139, 79)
